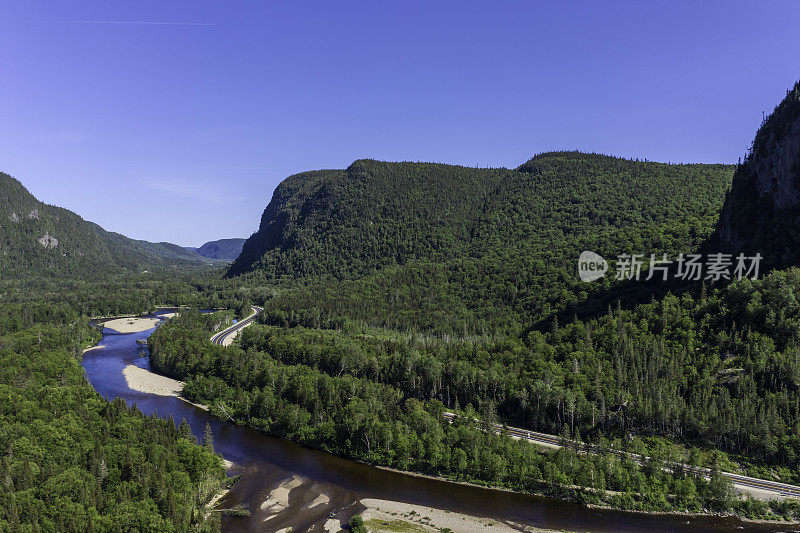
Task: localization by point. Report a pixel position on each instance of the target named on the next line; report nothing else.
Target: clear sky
(176, 120)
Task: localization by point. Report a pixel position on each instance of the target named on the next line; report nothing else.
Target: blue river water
(264, 462)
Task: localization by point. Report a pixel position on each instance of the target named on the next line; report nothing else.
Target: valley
(266, 464)
(431, 267)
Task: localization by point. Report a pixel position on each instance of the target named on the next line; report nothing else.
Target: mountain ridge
(222, 249)
(54, 241)
(472, 246)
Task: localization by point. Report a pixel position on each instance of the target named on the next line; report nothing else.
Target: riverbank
(142, 380)
(90, 348)
(266, 462)
(145, 381)
(300, 500)
(387, 515)
(135, 324)
(683, 514)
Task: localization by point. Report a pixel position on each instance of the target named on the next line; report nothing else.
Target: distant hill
(222, 249)
(37, 239)
(436, 241)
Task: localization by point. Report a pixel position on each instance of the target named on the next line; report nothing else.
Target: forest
(395, 291)
(38, 240)
(72, 461)
(469, 251)
(380, 400)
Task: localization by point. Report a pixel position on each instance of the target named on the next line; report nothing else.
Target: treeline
(719, 370)
(453, 249)
(337, 395)
(63, 301)
(72, 461)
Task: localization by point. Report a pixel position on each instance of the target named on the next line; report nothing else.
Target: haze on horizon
(175, 122)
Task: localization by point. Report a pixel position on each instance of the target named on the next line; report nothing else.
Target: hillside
(454, 248)
(407, 289)
(222, 249)
(44, 240)
(762, 211)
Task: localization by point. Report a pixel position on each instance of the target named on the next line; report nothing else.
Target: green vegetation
(455, 249)
(66, 300)
(398, 290)
(380, 400)
(41, 240)
(395, 291)
(357, 524)
(72, 461)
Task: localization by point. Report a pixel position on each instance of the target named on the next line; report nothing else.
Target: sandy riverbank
(386, 515)
(142, 380)
(131, 325)
(216, 498)
(90, 348)
(135, 324)
(278, 499)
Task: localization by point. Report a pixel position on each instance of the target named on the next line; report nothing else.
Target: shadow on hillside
(626, 295)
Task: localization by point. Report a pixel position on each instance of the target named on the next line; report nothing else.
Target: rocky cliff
(761, 210)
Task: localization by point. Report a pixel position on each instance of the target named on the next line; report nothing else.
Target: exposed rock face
(48, 241)
(762, 210)
(14, 217)
(726, 235)
(34, 214)
(777, 173)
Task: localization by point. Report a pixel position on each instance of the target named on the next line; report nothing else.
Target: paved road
(219, 338)
(739, 481)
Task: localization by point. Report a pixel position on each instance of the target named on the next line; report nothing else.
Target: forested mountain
(394, 291)
(222, 249)
(762, 211)
(457, 248)
(44, 240)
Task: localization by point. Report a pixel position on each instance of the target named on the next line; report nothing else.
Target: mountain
(43, 240)
(437, 243)
(222, 249)
(762, 211)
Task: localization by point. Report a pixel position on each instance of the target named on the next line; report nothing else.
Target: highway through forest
(230, 332)
(739, 481)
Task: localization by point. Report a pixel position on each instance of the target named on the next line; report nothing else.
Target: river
(265, 462)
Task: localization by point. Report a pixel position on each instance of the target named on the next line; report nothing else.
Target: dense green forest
(72, 461)
(45, 299)
(47, 241)
(395, 291)
(455, 249)
(377, 399)
(722, 370)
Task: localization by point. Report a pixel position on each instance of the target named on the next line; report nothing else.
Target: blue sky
(176, 120)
